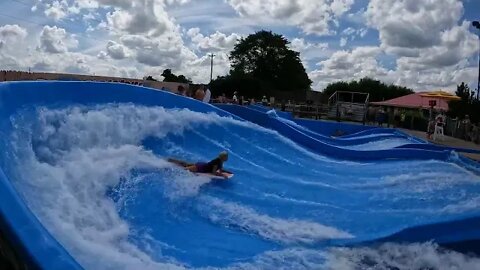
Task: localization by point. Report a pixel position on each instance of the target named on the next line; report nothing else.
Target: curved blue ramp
(325, 148)
(85, 183)
(338, 141)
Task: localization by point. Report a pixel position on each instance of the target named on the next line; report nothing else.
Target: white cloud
(87, 4)
(102, 55)
(347, 65)
(147, 17)
(428, 39)
(56, 40)
(216, 41)
(425, 43)
(117, 51)
(300, 45)
(412, 23)
(313, 17)
(341, 6)
(14, 31)
(456, 46)
(348, 31)
(309, 51)
(423, 34)
(57, 10)
(168, 51)
(363, 62)
(362, 32)
(12, 39)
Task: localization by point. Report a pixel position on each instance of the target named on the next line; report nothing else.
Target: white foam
(418, 182)
(471, 204)
(384, 257)
(288, 231)
(66, 160)
(69, 199)
(381, 144)
(286, 259)
(402, 257)
(304, 202)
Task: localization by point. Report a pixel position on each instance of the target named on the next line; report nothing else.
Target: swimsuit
(203, 167)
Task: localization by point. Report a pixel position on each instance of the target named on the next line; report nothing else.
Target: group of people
(203, 93)
(466, 130)
(240, 100)
(380, 116)
(377, 116)
(460, 128)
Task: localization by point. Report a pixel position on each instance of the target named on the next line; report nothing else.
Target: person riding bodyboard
(213, 167)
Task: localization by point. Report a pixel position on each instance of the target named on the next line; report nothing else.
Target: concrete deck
(449, 141)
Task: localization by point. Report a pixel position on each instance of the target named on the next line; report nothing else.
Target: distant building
(420, 100)
(10, 75)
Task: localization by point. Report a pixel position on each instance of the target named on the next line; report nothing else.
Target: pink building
(420, 100)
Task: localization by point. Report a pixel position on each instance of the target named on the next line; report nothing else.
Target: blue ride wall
(327, 128)
(41, 251)
(325, 148)
(35, 245)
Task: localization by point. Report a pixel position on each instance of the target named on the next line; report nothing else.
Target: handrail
(332, 95)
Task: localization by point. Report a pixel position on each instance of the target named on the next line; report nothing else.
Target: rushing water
(97, 178)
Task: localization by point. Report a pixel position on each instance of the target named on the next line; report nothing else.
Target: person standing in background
(467, 125)
(223, 98)
(264, 101)
(402, 119)
(200, 93)
(235, 98)
(181, 90)
(208, 95)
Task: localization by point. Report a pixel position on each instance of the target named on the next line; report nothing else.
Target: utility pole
(211, 55)
(476, 24)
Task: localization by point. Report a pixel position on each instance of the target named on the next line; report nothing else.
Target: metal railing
(342, 107)
(306, 110)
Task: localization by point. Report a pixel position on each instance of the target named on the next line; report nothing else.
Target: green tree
(170, 77)
(378, 90)
(263, 64)
(464, 92)
(466, 105)
(150, 78)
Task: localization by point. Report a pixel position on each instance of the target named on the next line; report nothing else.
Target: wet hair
(223, 154)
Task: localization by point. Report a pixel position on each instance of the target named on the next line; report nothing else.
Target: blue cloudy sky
(424, 44)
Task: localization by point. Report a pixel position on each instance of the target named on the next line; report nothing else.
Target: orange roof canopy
(440, 94)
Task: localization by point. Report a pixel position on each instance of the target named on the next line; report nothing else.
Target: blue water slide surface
(85, 184)
(325, 148)
(339, 141)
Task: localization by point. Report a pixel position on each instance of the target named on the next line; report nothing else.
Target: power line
(23, 3)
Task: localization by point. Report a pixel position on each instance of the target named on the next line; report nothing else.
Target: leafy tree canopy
(378, 90)
(170, 77)
(262, 64)
(467, 105)
(150, 78)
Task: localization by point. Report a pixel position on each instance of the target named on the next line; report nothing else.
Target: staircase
(348, 106)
